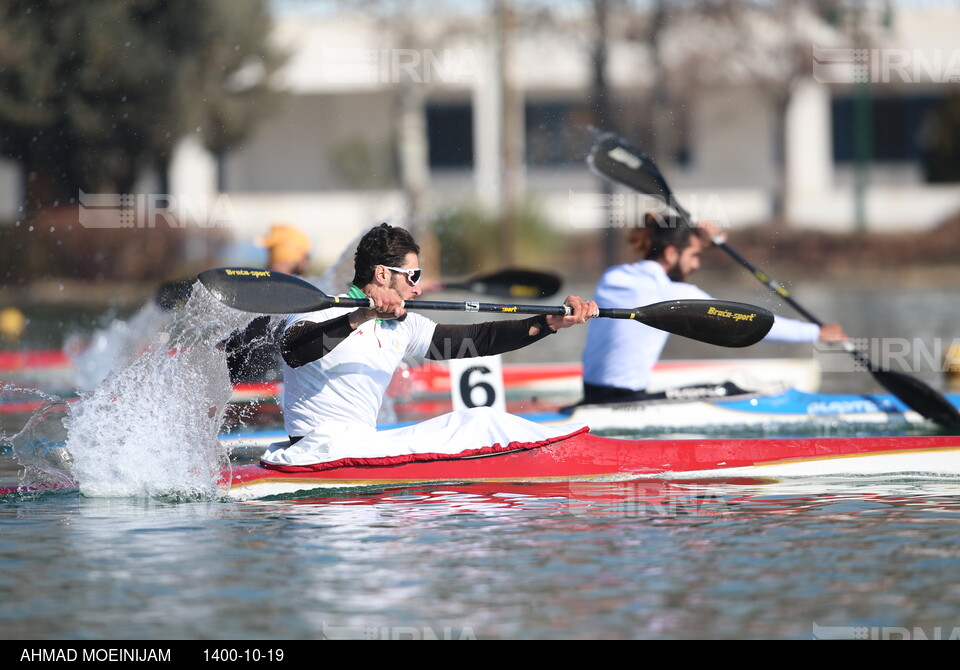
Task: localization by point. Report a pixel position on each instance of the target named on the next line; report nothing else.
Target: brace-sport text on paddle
(727, 314)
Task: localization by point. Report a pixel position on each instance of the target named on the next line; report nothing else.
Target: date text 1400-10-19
(247, 655)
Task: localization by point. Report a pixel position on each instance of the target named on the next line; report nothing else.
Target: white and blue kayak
(790, 410)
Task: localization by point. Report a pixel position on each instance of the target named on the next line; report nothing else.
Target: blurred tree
(92, 92)
(469, 236)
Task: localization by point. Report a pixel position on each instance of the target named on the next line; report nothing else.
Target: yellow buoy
(12, 323)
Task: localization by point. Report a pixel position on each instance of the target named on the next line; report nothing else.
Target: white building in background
(912, 67)
(369, 120)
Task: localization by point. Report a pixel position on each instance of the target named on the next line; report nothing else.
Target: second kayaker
(619, 355)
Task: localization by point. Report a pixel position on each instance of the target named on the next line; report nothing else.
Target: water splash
(7, 390)
(150, 428)
(38, 447)
(114, 346)
(95, 356)
(160, 392)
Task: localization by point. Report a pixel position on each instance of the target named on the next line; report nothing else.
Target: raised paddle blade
(263, 291)
(720, 322)
(511, 283)
(613, 158)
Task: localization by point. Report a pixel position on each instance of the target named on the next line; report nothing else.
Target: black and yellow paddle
(615, 159)
(719, 322)
(506, 283)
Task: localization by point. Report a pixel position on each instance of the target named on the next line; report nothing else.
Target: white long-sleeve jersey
(622, 352)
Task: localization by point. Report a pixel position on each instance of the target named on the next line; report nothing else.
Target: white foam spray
(150, 428)
(38, 447)
(115, 345)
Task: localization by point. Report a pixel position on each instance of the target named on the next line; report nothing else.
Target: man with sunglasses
(338, 361)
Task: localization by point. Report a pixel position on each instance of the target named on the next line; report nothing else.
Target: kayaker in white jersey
(619, 355)
(338, 363)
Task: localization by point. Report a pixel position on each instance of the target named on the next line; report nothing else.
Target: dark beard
(675, 274)
(393, 285)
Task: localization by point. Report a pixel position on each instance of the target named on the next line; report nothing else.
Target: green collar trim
(356, 292)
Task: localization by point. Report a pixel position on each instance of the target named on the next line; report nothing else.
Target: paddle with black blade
(509, 283)
(615, 159)
(719, 322)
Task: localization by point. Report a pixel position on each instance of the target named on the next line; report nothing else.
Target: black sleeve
(307, 342)
(252, 352)
(485, 339)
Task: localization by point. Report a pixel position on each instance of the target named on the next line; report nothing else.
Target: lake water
(567, 561)
(535, 562)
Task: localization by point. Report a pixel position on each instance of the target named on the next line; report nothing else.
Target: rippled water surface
(625, 560)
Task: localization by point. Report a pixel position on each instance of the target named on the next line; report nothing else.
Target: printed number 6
(467, 389)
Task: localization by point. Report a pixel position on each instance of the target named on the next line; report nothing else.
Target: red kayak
(584, 457)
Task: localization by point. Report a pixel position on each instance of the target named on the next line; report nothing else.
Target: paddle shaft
(437, 305)
(718, 240)
(720, 322)
(771, 283)
(778, 288)
(763, 277)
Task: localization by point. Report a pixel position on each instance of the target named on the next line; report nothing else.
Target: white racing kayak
(792, 410)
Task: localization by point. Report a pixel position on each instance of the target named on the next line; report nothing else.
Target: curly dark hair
(382, 245)
(667, 231)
